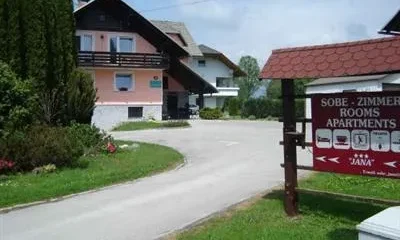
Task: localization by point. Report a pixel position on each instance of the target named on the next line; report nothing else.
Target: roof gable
(393, 26)
(377, 56)
(179, 28)
(210, 52)
(121, 17)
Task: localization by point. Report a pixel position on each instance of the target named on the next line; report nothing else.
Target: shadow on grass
(349, 210)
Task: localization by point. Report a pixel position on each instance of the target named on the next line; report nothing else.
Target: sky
(255, 27)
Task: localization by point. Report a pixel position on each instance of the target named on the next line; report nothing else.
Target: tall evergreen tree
(37, 41)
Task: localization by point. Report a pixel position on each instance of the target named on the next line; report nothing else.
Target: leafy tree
(16, 101)
(274, 88)
(250, 83)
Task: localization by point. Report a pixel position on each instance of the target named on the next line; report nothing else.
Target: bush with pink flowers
(6, 166)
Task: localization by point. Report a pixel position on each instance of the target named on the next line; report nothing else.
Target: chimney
(81, 3)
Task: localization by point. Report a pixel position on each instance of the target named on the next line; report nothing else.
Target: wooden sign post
(290, 144)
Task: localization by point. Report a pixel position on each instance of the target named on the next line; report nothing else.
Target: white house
(219, 71)
(370, 83)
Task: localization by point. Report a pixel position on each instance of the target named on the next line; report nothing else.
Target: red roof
(375, 56)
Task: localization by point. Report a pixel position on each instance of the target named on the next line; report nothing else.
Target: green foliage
(39, 146)
(37, 41)
(211, 113)
(274, 88)
(100, 171)
(259, 108)
(49, 168)
(264, 108)
(143, 125)
(225, 106)
(323, 216)
(89, 136)
(234, 107)
(81, 97)
(252, 117)
(174, 124)
(249, 84)
(16, 101)
(300, 108)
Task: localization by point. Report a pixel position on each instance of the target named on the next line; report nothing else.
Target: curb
(58, 199)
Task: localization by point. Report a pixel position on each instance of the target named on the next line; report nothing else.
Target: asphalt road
(226, 162)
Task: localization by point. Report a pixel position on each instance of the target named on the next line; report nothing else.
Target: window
(122, 44)
(84, 42)
(201, 63)
(165, 82)
(224, 82)
(135, 112)
(123, 82)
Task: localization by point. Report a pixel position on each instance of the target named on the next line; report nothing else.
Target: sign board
(155, 83)
(357, 133)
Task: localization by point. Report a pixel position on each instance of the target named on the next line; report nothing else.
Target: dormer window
(201, 63)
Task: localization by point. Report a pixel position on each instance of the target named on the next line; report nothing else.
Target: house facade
(220, 72)
(140, 72)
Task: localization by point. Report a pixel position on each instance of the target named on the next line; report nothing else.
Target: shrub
(81, 97)
(45, 169)
(6, 166)
(16, 100)
(225, 106)
(210, 113)
(234, 107)
(252, 117)
(263, 108)
(39, 146)
(172, 124)
(276, 108)
(91, 138)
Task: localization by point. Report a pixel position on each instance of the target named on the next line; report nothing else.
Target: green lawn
(354, 185)
(103, 170)
(142, 125)
(322, 217)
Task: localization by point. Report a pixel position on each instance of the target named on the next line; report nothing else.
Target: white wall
(107, 117)
(213, 69)
(210, 102)
(364, 86)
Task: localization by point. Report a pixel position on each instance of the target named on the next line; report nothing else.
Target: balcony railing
(122, 60)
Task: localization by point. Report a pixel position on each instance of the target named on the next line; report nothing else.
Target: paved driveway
(227, 162)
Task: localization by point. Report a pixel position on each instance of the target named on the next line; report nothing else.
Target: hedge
(210, 113)
(263, 108)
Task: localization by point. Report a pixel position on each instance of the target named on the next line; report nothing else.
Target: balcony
(122, 60)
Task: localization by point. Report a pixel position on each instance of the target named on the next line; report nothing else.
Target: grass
(322, 217)
(103, 170)
(142, 125)
(252, 118)
(354, 185)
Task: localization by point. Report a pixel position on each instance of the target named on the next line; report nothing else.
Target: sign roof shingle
(377, 56)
